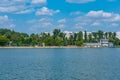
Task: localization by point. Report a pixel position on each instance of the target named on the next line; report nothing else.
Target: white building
(68, 34)
(88, 33)
(104, 42)
(118, 34)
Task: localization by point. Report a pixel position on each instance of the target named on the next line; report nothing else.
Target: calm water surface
(60, 64)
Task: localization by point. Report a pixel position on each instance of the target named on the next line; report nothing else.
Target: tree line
(58, 38)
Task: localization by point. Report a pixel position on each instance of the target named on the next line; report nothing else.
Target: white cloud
(8, 9)
(62, 20)
(92, 21)
(95, 20)
(60, 26)
(46, 11)
(98, 14)
(41, 25)
(44, 19)
(12, 26)
(80, 25)
(25, 11)
(79, 1)
(116, 17)
(12, 6)
(3, 18)
(5, 22)
(38, 1)
(20, 6)
(111, 0)
(105, 16)
(45, 24)
(95, 24)
(114, 25)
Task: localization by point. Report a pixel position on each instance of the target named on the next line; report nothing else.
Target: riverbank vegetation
(58, 38)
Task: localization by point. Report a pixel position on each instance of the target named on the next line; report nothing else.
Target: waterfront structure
(95, 45)
(104, 42)
(111, 45)
(43, 44)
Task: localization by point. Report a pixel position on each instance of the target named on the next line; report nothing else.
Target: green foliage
(95, 36)
(49, 41)
(34, 39)
(57, 39)
(111, 39)
(90, 38)
(85, 36)
(80, 35)
(117, 42)
(79, 43)
(3, 41)
(56, 32)
(100, 34)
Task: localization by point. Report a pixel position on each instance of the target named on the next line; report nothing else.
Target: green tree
(49, 41)
(79, 43)
(4, 41)
(106, 35)
(90, 37)
(56, 33)
(80, 35)
(58, 41)
(85, 36)
(71, 40)
(114, 35)
(100, 34)
(110, 34)
(111, 39)
(34, 39)
(75, 37)
(95, 34)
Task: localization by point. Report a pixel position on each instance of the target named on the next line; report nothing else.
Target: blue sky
(35, 16)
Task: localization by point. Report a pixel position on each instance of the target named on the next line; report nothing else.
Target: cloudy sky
(68, 15)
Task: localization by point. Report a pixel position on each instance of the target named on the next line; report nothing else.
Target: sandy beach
(42, 47)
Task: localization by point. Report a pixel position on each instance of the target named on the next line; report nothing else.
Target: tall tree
(56, 33)
(85, 36)
(106, 35)
(95, 35)
(114, 35)
(110, 34)
(90, 38)
(100, 34)
(80, 35)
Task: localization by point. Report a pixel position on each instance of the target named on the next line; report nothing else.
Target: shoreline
(50, 47)
(42, 47)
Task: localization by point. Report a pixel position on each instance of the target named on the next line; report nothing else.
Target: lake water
(60, 64)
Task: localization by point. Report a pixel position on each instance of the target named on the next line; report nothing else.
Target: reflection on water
(60, 64)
